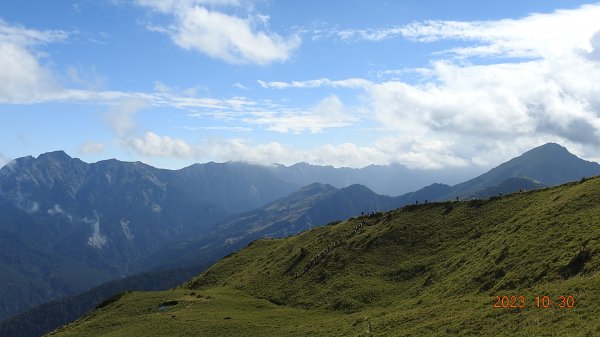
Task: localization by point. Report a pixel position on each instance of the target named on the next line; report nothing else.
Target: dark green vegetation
(48, 316)
(429, 269)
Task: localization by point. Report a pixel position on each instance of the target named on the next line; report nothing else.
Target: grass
(431, 270)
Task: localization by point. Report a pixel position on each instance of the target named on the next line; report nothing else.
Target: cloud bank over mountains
(501, 87)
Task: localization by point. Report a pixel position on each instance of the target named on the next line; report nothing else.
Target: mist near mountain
(391, 180)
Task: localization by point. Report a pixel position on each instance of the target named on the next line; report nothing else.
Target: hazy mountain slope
(421, 270)
(549, 164)
(236, 187)
(546, 165)
(392, 180)
(75, 225)
(313, 205)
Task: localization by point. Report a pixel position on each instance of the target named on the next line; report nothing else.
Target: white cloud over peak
(412, 152)
(417, 153)
(219, 35)
(152, 145)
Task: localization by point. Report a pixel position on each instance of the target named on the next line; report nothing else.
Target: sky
(426, 84)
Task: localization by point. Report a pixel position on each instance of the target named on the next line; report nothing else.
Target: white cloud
(121, 118)
(4, 160)
(220, 35)
(56, 209)
(23, 77)
(536, 35)
(412, 152)
(96, 240)
(153, 145)
(352, 83)
(87, 78)
(91, 148)
(219, 128)
(553, 94)
(329, 113)
(171, 5)
(418, 153)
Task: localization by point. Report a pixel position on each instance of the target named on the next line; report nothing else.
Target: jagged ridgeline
(431, 269)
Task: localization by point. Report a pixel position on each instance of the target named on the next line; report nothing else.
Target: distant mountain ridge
(313, 205)
(72, 225)
(546, 165)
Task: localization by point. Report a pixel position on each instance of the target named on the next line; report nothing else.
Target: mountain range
(522, 265)
(67, 225)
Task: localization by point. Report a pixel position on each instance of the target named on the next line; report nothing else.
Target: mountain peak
(549, 148)
(317, 187)
(549, 164)
(55, 155)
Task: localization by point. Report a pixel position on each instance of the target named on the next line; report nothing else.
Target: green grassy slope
(429, 269)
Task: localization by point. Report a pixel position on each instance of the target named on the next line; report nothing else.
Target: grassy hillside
(431, 269)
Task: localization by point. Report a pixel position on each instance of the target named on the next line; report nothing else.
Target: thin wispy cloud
(91, 148)
(536, 35)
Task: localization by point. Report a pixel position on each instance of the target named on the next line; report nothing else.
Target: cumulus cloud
(196, 26)
(152, 145)
(23, 76)
(546, 86)
(91, 148)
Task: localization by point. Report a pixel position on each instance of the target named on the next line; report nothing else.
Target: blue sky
(427, 84)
